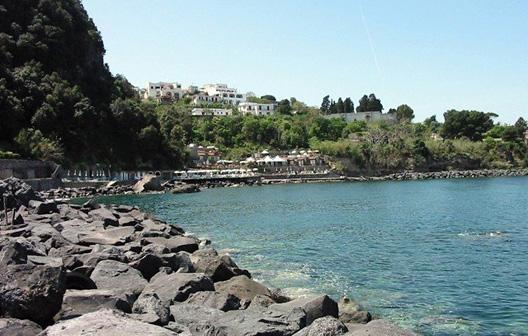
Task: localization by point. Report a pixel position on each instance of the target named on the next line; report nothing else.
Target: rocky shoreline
(176, 188)
(96, 269)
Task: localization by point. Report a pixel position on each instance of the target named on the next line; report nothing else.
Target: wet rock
(222, 301)
(105, 322)
(31, 292)
(243, 288)
(176, 287)
(324, 326)
(110, 274)
(78, 302)
(315, 307)
(16, 327)
(350, 312)
(380, 328)
(218, 268)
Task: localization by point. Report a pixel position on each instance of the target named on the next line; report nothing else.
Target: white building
(227, 94)
(213, 112)
(364, 116)
(257, 108)
(163, 91)
(205, 99)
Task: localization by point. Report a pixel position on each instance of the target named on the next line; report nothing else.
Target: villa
(225, 93)
(163, 91)
(257, 109)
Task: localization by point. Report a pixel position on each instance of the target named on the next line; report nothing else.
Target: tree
(340, 106)
(269, 98)
(374, 104)
(521, 125)
(333, 108)
(363, 104)
(349, 105)
(325, 105)
(469, 124)
(404, 113)
(284, 107)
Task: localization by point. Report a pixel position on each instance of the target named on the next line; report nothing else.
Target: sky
(432, 55)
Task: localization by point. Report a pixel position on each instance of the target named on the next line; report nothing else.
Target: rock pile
(114, 270)
(454, 174)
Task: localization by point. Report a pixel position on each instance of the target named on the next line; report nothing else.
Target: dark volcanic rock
(16, 327)
(222, 301)
(79, 302)
(31, 292)
(243, 288)
(148, 265)
(45, 207)
(176, 244)
(150, 303)
(380, 328)
(110, 274)
(105, 322)
(324, 326)
(177, 287)
(219, 268)
(315, 307)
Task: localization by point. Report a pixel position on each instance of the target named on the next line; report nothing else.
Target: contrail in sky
(369, 39)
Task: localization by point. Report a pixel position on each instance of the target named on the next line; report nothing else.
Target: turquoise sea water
(425, 254)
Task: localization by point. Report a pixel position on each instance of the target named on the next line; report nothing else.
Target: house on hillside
(257, 109)
(226, 94)
(164, 92)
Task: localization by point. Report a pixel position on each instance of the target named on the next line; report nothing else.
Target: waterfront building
(257, 109)
(211, 112)
(364, 116)
(163, 91)
(204, 156)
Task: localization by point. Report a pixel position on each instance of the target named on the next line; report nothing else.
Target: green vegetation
(59, 101)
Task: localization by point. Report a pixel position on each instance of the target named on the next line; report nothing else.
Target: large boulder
(105, 322)
(175, 244)
(324, 326)
(151, 304)
(114, 236)
(111, 274)
(219, 268)
(250, 323)
(104, 215)
(16, 327)
(198, 319)
(222, 301)
(79, 302)
(46, 207)
(148, 183)
(177, 287)
(31, 292)
(149, 264)
(243, 288)
(380, 328)
(314, 306)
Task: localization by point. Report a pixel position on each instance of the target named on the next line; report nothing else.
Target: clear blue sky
(432, 55)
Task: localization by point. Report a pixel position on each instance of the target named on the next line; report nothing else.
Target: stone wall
(26, 169)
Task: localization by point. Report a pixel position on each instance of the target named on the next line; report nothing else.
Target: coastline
(66, 193)
(114, 266)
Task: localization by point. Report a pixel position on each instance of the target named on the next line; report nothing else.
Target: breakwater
(106, 269)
